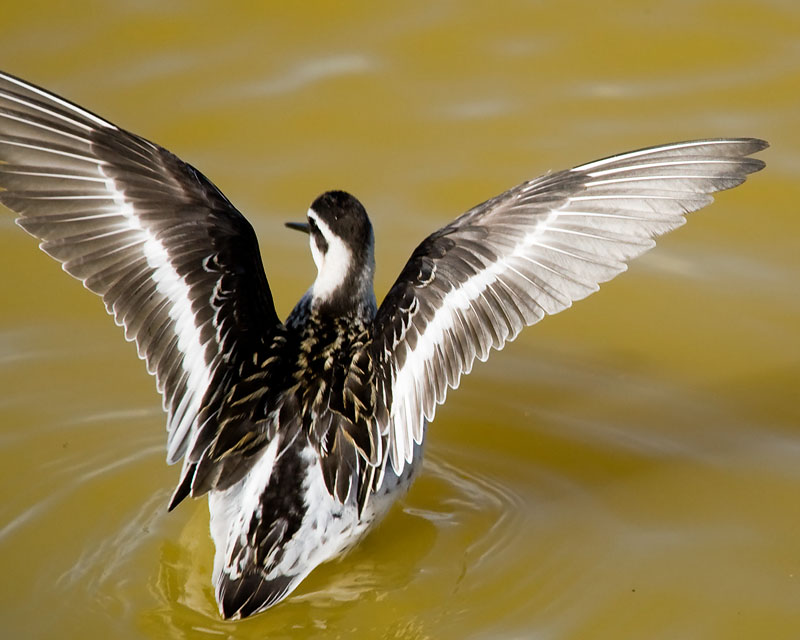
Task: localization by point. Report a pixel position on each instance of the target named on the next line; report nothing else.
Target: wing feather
(152, 236)
(531, 251)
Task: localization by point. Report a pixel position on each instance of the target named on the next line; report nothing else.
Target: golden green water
(627, 469)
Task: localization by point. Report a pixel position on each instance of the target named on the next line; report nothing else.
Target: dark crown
(345, 216)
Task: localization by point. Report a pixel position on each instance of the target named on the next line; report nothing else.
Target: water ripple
(482, 497)
(77, 475)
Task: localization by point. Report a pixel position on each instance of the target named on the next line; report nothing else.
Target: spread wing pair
(179, 268)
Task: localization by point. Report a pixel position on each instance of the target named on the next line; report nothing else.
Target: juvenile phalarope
(303, 433)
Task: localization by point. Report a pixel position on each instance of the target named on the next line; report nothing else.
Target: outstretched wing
(176, 264)
(531, 251)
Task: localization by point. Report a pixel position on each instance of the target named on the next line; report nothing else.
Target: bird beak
(299, 226)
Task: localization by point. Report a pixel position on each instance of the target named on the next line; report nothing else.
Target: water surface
(627, 469)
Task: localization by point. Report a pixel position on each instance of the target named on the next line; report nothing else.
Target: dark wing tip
(184, 489)
(749, 147)
(757, 144)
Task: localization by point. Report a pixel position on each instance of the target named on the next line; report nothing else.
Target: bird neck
(353, 297)
(344, 283)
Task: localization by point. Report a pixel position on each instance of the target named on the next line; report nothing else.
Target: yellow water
(628, 469)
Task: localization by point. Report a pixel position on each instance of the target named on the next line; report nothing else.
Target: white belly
(328, 527)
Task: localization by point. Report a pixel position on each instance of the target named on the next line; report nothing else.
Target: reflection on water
(625, 470)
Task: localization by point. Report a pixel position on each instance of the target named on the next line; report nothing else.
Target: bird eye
(313, 226)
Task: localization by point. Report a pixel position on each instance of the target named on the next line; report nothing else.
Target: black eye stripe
(322, 244)
(313, 225)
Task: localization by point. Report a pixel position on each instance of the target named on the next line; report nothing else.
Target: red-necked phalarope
(303, 433)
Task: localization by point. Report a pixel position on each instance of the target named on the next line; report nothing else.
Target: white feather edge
(59, 101)
(173, 287)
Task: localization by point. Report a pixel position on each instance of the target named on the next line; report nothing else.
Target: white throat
(333, 266)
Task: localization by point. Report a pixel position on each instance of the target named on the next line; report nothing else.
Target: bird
(304, 432)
